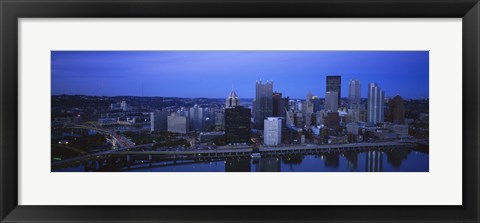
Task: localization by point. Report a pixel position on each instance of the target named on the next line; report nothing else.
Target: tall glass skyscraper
(263, 104)
(334, 84)
(354, 93)
(237, 124)
(331, 101)
(376, 101)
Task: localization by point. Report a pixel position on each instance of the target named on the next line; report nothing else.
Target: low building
(107, 121)
(352, 128)
(206, 137)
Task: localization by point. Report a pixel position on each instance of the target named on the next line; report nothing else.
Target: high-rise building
(158, 120)
(376, 98)
(354, 93)
(263, 104)
(278, 105)
(298, 119)
(334, 84)
(332, 120)
(290, 118)
(219, 119)
(177, 124)
(316, 103)
(331, 100)
(273, 131)
(396, 110)
(307, 111)
(237, 125)
(196, 118)
(232, 100)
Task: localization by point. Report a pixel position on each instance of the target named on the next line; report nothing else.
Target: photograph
(239, 111)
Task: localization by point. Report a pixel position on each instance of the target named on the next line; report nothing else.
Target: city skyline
(175, 73)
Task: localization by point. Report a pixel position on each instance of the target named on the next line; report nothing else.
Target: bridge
(128, 155)
(114, 138)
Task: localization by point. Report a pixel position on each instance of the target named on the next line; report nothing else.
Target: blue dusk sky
(211, 74)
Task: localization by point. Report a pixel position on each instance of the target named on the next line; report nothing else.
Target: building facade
(237, 125)
(334, 83)
(263, 104)
(196, 118)
(273, 131)
(232, 100)
(396, 110)
(177, 124)
(376, 101)
(159, 120)
(354, 94)
(331, 101)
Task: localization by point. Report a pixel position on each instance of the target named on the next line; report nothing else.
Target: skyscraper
(278, 105)
(376, 98)
(196, 118)
(232, 100)
(158, 120)
(334, 84)
(273, 131)
(263, 104)
(396, 110)
(354, 93)
(331, 101)
(237, 124)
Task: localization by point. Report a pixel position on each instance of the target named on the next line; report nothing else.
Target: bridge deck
(237, 151)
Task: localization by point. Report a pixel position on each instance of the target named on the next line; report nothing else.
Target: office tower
(354, 93)
(279, 106)
(331, 101)
(290, 119)
(158, 120)
(298, 119)
(232, 100)
(320, 116)
(219, 119)
(307, 111)
(376, 98)
(177, 124)
(237, 125)
(332, 120)
(299, 105)
(208, 121)
(316, 103)
(273, 131)
(396, 110)
(196, 118)
(291, 104)
(263, 102)
(334, 84)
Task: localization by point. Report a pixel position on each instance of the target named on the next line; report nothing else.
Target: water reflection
(269, 164)
(387, 160)
(238, 166)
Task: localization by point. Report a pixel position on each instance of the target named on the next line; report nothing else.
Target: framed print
(288, 111)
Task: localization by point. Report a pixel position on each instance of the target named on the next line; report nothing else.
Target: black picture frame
(12, 10)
